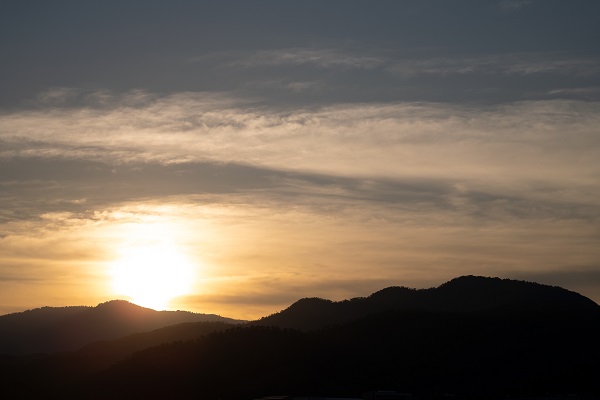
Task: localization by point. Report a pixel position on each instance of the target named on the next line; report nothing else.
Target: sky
(231, 157)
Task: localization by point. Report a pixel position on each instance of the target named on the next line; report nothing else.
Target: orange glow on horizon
(151, 269)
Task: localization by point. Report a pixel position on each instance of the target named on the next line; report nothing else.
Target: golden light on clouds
(248, 255)
(270, 205)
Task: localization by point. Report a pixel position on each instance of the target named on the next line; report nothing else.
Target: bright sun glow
(151, 270)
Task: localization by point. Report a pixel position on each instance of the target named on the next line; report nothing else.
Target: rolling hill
(460, 295)
(54, 329)
(472, 337)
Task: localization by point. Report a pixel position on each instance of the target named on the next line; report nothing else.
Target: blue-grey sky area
(305, 52)
(294, 149)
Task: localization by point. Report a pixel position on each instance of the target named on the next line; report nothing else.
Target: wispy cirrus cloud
(575, 91)
(329, 75)
(410, 63)
(520, 141)
(516, 64)
(316, 57)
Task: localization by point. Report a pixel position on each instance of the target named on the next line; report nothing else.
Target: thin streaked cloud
(315, 57)
(523, 64)
(404, 139)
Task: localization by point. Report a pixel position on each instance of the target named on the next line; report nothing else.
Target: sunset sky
(231, 157)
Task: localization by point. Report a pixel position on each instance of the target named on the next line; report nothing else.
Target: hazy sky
(290, 149)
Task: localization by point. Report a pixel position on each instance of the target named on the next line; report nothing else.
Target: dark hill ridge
(463, 294)
(478, 338)
(475, 337)
(52, 329)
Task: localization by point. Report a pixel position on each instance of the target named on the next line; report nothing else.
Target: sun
(152, 272)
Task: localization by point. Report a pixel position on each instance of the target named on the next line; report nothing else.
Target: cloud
(57, 96)
(589, 93)
(500, 157)
(408, 65)
(514, 142)
(293, 87)
(17, 278)
(307, 77)
(510, 64)
(316, 57)
(414, 193)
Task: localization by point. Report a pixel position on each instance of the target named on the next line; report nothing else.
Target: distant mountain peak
(310, 301)
(392, 292)
(117, 303)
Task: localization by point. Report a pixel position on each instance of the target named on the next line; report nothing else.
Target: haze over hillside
(52, 329)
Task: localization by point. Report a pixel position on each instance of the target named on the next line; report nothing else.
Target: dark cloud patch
(17, 278)
(535, 203)
(385, 191)
(33, 186)
(30, 187)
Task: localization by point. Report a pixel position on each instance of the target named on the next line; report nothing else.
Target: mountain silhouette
(472, 337)
(53, 329)
(463, 294)
(475, 337)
